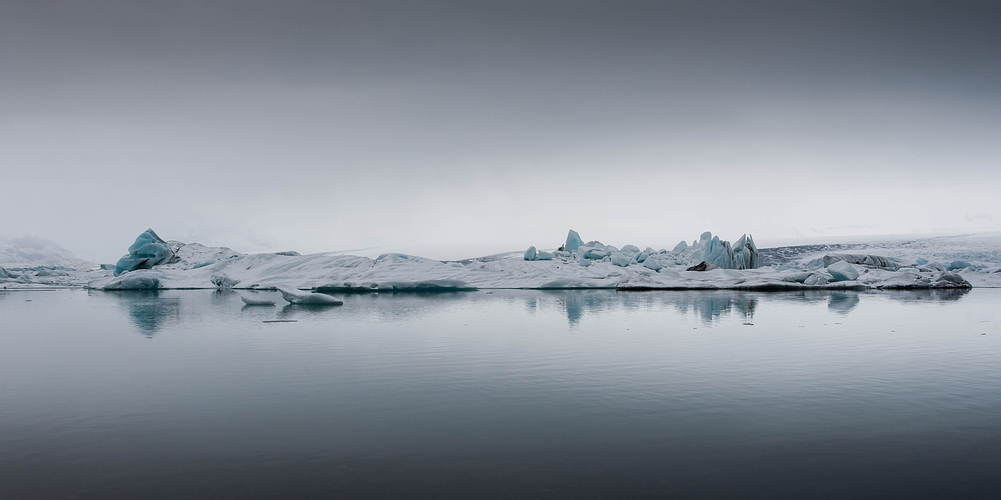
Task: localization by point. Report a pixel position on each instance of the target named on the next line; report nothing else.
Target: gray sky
(453, 129)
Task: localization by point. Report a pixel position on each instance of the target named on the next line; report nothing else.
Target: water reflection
(148, 311)
(843, 302)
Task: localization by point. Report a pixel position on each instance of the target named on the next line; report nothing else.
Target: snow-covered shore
(915, 264)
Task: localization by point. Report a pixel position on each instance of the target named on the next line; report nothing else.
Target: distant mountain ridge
(30, 250)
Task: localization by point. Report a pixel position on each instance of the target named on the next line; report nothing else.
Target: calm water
(511, 394)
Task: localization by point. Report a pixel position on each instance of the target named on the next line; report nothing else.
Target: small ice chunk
(256, 302)
(584, 262)
(543, 255)
(959, 264)
(222, 281)
(816, 279)
(843, 271)
(703, 266)
(621, 259)
(309, 298)
(652, 263)
(630, 249)
(530, 254)
(643, 256)
(573, 241)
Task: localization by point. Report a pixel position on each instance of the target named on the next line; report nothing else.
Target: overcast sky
(454, 129)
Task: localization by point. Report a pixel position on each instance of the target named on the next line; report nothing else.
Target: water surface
(505, 394)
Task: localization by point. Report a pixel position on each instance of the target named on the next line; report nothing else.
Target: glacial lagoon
(501, 394)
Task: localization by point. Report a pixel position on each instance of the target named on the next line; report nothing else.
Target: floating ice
(256, 302)
(959, 264)
(296, 297)
(590, 264)
(147, 251)
(843, 271)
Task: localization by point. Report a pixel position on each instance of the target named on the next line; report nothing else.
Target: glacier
(708, 263)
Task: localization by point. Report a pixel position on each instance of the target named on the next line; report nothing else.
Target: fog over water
(453, 129)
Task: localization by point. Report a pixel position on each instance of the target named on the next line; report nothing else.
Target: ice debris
(862, 260)
(311, 298)
(221, 281)
(712, 250)
(147, 251)
(250, 301)
(530, 254)
(843, 271)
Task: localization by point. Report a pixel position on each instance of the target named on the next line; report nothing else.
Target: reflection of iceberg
(576, 302)
(149, 312)
(843, 302)
(707, 305)
(932, 295)
(711, 306)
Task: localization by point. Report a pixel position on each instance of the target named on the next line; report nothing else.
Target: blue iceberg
(147, 251)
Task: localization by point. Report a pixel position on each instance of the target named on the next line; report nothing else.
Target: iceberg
(296, 297)
(530, 254)
(744, 253)
(621, 259)
(250, 301)
(843, 271)
(147, 251)
(573, 241)
(712, 250)
(652, 263)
